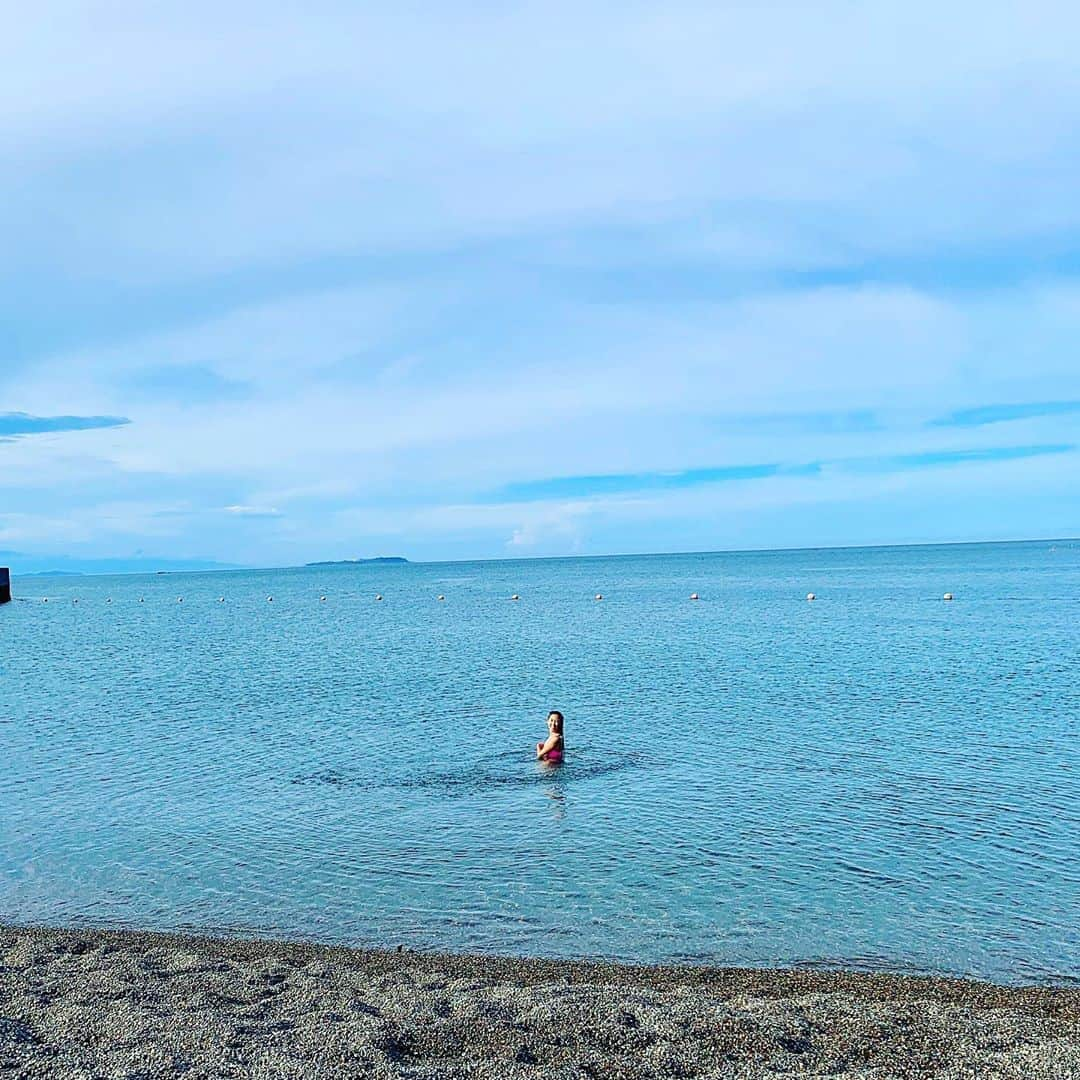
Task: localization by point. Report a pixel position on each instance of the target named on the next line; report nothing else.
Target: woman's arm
(544, 748)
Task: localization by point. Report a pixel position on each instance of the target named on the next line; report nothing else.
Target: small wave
(464, 781)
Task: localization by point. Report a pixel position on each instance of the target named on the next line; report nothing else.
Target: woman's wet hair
(558, 716)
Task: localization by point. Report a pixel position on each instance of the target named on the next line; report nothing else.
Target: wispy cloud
(184, 384)
(18, 423)
(844, 422)
(932, 458)
(240, 510)
(565, 487)
(794, 423)
(997, 414)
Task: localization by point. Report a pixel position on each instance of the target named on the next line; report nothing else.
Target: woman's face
(551, 724)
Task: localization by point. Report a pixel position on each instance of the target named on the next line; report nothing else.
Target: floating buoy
(694, 596)
(379, 597)
(108, 600)
(221, 599)
(515, 597)
(321, 599)
(269, 599)
(142, 600)
(598, 596)
(440, 597)
(179, 599)
(75, 600)
(810, 596)
(947, 596)
(44, 599)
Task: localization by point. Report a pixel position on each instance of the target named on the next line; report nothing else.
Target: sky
(503, 280)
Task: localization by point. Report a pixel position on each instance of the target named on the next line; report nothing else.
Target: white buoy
(694, 596)
(108, 600)
(440, 597)
(75, 600)
(142, 600)
(322, 598)
(221, 599)
(598, 596)
(44, 599)
(379, 596)
(179, 599)
(810, 596)
(947, 596)
(269, 599)
(515, 597)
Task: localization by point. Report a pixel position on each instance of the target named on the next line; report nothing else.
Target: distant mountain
(359, 562)
(24, 565)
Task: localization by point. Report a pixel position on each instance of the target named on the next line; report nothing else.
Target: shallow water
(877, 779)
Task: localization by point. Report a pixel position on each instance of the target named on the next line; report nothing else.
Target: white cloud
(207, 137)
(253, 511)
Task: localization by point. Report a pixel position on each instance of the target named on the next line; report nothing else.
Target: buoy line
(440, 597)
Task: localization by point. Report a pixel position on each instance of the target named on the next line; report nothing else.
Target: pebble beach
(94, 1004)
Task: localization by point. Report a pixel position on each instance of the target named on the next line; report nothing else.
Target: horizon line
(552, 558)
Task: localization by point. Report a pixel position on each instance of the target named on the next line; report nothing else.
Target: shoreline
(147, 1004)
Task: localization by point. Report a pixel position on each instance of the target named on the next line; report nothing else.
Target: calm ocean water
(878, 779)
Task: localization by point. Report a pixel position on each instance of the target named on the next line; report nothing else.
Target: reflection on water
(878, 777)
(558, 800)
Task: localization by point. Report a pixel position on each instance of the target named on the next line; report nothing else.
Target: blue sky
(482, 280)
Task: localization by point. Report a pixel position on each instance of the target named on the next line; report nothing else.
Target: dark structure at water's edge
(5, 584)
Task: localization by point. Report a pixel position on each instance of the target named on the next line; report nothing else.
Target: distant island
(358, 562)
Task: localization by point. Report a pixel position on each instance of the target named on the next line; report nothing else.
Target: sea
(875, 779)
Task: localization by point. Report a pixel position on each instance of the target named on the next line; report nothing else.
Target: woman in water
(551, 750)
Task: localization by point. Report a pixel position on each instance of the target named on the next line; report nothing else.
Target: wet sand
(138, 1005)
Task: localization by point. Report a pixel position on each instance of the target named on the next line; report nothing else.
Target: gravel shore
(93, 1004)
